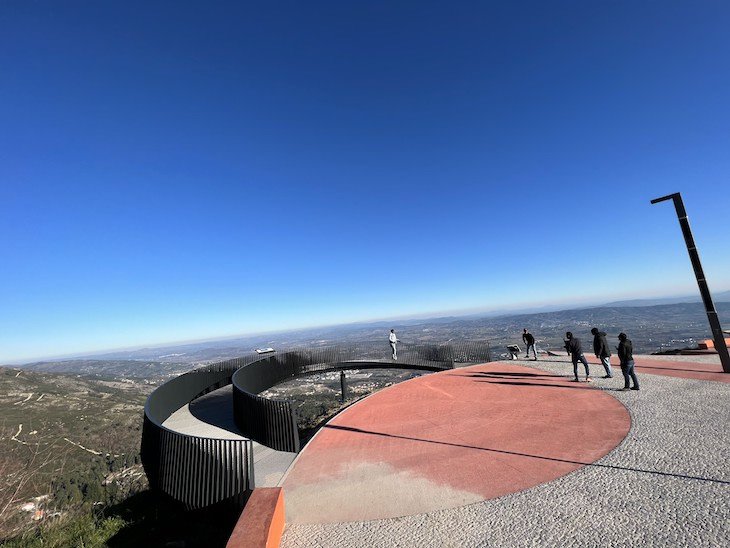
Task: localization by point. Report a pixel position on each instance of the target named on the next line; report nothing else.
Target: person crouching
(574, 348)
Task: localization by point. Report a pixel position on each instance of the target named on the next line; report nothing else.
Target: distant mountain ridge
(165, 359)
(721, 297)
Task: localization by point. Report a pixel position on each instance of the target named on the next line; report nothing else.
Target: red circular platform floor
(450, 439)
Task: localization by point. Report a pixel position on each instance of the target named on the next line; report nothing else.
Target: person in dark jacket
(529, 341)
(626, 356)
(601, 350)
(573, 346)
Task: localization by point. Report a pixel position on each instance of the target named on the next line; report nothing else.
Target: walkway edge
(261, 523)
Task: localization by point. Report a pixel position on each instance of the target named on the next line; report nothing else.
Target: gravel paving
(666, 484)
(697, 358)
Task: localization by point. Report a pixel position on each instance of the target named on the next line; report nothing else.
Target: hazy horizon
(484, 312)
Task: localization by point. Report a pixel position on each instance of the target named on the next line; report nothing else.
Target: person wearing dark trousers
(574, 348)
(626, 356)
(601, 350)
(529, 341)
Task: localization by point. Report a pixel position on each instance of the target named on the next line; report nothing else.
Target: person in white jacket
(393, 341)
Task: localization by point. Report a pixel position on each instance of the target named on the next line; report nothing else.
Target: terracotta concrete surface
(262, 520)
(449, 439)
(682, 369)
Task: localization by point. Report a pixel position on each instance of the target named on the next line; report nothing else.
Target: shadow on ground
(153, 521)
(522, 379)
(528, 455)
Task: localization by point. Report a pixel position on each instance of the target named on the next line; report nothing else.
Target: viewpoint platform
(450, 439)
(514, 454)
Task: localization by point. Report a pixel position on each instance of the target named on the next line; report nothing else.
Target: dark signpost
(717, 334)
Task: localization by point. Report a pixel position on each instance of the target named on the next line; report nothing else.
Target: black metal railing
(201, 471)
(194, 470)
(274, 423)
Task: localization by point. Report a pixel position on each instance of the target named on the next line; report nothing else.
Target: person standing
(574, 348)
(626, 356)
(601, 350)
(393, 341)
(529, 341)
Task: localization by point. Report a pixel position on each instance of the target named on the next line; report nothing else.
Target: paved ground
(666, 484)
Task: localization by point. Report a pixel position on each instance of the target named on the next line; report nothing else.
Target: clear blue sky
(175, 170)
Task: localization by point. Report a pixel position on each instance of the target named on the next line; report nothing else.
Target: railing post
(250, 470)
(343, 386)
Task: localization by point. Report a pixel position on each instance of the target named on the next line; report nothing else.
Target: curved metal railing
(201, 471)
(273, 422)
(194, 470)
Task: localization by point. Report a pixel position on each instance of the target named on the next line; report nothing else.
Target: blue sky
(176, 170)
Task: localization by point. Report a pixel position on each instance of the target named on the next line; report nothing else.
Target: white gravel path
(667, 484)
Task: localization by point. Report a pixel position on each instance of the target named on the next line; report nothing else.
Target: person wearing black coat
(574, 348)
(626, 355)
(529, 340)
(601, 350)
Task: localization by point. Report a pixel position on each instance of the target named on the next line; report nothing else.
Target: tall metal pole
(343, 386)
(717, 334)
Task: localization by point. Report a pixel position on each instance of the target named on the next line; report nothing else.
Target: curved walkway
(212, 416)
(667, 483)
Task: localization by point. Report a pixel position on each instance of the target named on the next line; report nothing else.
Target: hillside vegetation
(68, 444)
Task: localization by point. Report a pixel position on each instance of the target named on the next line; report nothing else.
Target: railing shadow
(527, 455)
(510, 374)
(216, 409)
(521, 379)
(578, 386)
